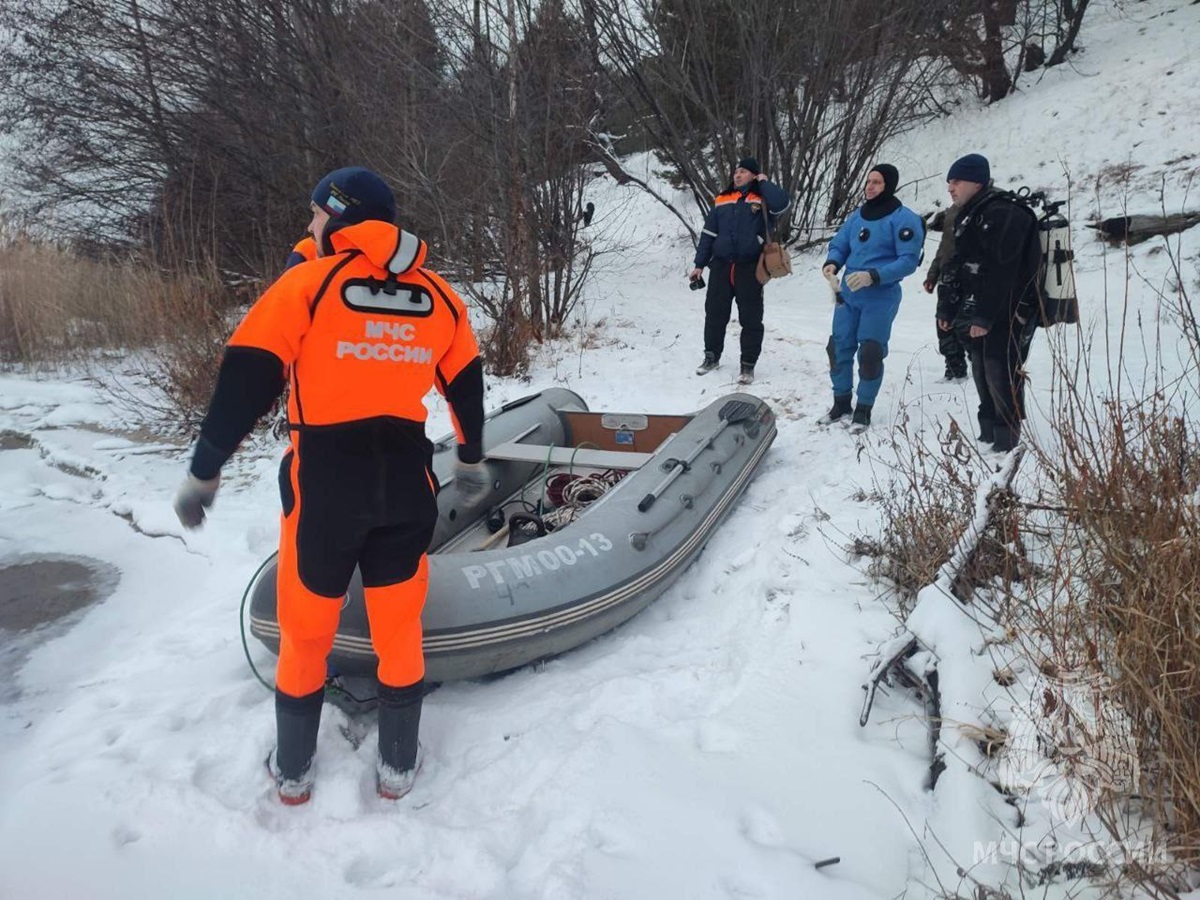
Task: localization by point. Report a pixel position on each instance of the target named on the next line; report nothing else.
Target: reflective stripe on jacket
(733, 228)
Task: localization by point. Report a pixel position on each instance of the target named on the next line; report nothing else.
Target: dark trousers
(727, 282)
(952, 344)
(997, 359)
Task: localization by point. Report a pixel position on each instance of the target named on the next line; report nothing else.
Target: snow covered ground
(708, 748)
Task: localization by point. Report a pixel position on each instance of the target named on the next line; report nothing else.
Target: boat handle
(731, 412)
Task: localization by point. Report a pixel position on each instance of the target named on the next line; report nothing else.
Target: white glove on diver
(858, 280)
(473, 481)
(194, 497)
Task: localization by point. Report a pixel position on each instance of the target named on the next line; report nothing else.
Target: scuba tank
(1060, 305)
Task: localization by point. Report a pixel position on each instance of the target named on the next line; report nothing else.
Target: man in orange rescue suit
(362, 331)
(304, 251)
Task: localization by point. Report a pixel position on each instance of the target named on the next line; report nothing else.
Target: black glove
(194, 497)
(949, 303)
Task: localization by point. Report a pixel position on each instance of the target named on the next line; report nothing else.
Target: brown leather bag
(774, 261)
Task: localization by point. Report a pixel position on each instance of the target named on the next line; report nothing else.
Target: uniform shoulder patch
(906, 233)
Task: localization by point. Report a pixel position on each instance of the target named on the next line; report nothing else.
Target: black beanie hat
(891, 177)
(972, 167)
(750, 164)
(354, 194)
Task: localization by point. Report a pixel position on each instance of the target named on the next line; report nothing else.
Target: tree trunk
(997, 82)
(1072, 14)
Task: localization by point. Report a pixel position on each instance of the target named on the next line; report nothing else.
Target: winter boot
(955, 374)
(399, 722)
(710, 363)
(747, 376)
(987, 430)
(862, 418)
(290, 763)
(1005, 438)
(841, 409)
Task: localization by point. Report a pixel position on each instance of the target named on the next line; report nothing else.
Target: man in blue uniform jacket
(730, 244)
(877, 246)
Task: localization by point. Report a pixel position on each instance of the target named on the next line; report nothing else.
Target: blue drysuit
(889, 248)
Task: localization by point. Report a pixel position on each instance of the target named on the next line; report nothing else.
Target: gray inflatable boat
(592, 515)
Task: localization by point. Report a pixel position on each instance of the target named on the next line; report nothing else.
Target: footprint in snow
(761, 827)
(123, 835)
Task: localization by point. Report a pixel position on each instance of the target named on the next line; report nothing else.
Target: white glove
(834, 284)
(194, 497)
(473, 481)
(858, 280)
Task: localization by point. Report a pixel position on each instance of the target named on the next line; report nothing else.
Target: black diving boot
(862, 418)
(399, 752)
(841, 408)
(297, 720)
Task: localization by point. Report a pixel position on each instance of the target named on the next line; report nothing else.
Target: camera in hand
(696, 283)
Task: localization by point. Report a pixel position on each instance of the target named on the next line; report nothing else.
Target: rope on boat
(570, 494)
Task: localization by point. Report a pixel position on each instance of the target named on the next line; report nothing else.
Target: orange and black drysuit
(361, 334)
(305, 250)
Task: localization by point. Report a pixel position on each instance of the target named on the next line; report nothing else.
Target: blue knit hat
(355, 194)
(972, 167)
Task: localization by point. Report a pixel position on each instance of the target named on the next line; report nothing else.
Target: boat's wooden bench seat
(567, 456)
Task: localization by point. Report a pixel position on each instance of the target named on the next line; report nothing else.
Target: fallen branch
(910, 659)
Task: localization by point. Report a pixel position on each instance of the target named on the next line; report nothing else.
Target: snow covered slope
(710, 747)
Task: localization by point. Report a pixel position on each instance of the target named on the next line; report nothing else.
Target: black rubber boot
(987, 430)
(399, 724)
(862, 419)
(842, 407)
(297, 720)
(1006, 438)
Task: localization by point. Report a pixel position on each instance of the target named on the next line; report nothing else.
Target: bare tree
(139, 121)
(524, 91)
(812, 88)
(991, 42)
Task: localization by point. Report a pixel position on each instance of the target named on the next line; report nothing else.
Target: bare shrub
(813, 90)
(1095, 576)
(187, 321)
(1121, 593)
(1121, 499)
(169, 327)
(926, 499)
